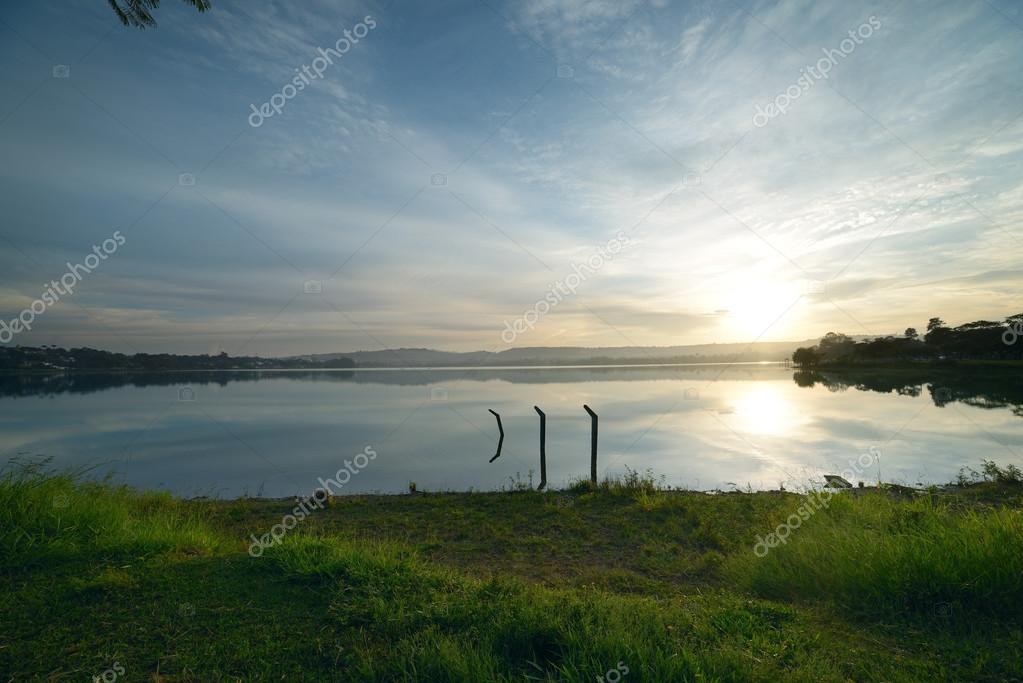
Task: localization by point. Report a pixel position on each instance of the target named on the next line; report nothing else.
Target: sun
(757, 308)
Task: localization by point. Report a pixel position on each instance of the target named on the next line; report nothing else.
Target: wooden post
(543, 447)
(593, 444)
(500, 441)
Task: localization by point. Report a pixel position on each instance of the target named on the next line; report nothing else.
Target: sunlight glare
(764, 411)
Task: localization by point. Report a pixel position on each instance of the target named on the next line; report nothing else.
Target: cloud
(459, 178)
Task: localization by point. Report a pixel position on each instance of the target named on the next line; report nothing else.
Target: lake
(702, 427)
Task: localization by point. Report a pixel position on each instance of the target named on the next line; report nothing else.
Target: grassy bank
(509, 586)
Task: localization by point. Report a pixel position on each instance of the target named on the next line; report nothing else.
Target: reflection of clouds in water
(851, 428)
(753, 426)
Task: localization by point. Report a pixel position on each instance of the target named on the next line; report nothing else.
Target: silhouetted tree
(884, 348)
(138, 13)
(980, 340)
(835, 347)
(805, 357)
(937, 335)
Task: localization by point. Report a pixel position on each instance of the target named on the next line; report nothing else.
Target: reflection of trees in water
(47, 384)
(989, 387)
(43, 384)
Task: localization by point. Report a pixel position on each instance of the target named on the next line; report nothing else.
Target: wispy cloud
(455, 172)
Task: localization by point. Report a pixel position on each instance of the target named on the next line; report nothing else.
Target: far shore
(894, 365)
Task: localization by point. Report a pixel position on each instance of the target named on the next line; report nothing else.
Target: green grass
(513, 586)
(439, 625)
(883, 557)
(51, 517)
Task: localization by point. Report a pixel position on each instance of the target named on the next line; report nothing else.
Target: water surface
(706, 427)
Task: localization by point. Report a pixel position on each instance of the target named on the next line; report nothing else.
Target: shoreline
(897, 490)
(892, 366)
(410, 368)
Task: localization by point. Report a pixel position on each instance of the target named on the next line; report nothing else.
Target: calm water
(702, 427)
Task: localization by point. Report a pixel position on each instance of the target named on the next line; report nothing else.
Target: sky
(480, 174)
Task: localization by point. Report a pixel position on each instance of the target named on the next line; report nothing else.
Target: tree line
(978, 340)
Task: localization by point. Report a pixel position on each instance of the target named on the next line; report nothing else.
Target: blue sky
(887, 193)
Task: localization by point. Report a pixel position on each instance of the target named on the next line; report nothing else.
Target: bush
(633, 484)
(990, 472)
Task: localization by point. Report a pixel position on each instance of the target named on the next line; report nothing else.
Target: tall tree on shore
(138, 13)
(938, 334)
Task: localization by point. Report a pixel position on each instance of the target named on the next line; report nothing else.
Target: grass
(883, 557)
(50, 517)
(439, 625)
(553, 586)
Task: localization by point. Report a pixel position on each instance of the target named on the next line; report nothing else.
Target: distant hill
(569, 355)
